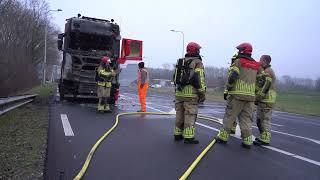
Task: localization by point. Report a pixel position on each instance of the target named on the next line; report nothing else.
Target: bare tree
(22, 26)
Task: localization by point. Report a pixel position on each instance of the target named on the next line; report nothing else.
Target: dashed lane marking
(66, 125)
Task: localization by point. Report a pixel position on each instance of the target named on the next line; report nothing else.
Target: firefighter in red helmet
(240, 95)
(104, 75)
(190, 85)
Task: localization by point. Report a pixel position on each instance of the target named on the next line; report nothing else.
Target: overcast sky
(288, 30)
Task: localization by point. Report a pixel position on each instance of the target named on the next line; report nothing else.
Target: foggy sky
(287, 30)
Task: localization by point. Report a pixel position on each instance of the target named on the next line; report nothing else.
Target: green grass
(23, 138)
(214, 95)
(42, 91)
(306, 103)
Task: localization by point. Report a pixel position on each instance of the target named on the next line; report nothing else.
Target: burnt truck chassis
(83, 43)
(86, 40)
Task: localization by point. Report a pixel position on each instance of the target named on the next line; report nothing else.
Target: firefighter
(143, 84)
(190, 89)
(104, 75)
(265, 100)
(234, 125)
(240, 95)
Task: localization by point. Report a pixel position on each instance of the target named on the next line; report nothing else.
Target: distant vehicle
(155, 86)
(162, 82)
(83, 43)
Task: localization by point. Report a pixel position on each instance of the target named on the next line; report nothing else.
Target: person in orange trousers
(143, 84)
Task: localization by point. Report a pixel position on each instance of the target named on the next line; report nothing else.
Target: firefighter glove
(202, 97)
(258, 97)
(225, 94)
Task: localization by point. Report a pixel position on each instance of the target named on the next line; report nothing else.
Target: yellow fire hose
(183, 177)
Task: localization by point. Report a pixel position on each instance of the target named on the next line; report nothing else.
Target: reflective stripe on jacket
(271, 95)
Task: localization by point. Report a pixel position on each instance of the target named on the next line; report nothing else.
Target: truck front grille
(87, 88)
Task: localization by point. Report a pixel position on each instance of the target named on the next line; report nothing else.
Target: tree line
(216, 78)
(22, 28)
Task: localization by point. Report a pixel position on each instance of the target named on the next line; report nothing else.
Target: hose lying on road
(183, 177)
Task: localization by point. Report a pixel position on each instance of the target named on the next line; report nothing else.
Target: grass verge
(23, 138)
(306, 103)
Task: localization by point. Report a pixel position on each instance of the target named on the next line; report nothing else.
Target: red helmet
(245, 48)
(105, 59)
(193, 48)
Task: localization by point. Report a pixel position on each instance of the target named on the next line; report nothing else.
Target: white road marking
(297, 120)
(155, 109)
(238, 131)
(279, 132)
(292, 135)
(172, 111)
(139, 104)
(293, 155)
(270, 147)
(267, 147)
(163, 106)
(66, 125)
(276, 124)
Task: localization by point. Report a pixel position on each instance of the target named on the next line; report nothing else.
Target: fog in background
(287, 30)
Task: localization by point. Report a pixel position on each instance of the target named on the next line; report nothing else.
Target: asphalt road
(142, 147)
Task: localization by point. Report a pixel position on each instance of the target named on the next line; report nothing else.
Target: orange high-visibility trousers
(143, 95)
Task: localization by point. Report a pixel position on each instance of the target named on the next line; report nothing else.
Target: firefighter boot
(247, 142)
(264, 139)
(100, 108)
(222, 137)
(177, 134)
(106, 108)
(188, 134)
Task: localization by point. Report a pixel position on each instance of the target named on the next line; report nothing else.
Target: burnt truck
(83, 43)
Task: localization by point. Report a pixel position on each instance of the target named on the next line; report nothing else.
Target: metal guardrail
(7, 104)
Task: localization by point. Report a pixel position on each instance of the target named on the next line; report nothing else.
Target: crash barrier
(7, 104)
(183, 177)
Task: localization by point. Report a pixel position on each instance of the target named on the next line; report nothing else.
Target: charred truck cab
(83, 43)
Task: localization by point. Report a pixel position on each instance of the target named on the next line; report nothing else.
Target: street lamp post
(182, 40)
(45, 47)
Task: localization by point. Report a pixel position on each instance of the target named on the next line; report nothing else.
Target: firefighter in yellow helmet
(265, 100)
(104, 75)
(190, 89)
(240, 95)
